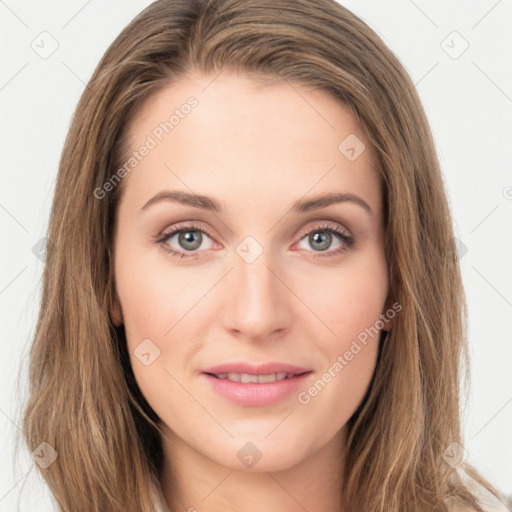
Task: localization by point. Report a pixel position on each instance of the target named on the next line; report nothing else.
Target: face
(244, 276)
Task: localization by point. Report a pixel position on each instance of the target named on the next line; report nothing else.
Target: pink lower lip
(256, 395)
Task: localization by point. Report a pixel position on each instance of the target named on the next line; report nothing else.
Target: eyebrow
(300, 206)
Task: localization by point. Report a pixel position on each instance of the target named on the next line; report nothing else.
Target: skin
(256, 150)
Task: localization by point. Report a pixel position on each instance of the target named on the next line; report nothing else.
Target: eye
(321, 238)
(189, 238)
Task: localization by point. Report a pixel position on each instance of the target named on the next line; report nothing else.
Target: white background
(469, 104)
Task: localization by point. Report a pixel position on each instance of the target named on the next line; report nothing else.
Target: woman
(212, 355)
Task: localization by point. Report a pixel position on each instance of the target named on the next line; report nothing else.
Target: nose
(258, 302)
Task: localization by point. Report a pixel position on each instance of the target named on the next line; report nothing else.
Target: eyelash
(347, 240)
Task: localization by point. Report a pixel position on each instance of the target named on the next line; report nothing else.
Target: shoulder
(487, 501)
(457, 507)
(486, 507)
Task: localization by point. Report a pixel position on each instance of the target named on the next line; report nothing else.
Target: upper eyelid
(328, 225)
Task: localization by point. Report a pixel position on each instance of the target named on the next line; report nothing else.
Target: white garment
(487, 501)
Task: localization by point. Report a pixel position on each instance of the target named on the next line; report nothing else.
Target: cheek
(350, 346)
(161, 308)
(155, 319)
(351, 307)
(154, 298)
(349, 301)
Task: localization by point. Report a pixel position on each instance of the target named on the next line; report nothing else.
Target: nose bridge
(257, 302)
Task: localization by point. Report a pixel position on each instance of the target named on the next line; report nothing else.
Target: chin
(259, 454)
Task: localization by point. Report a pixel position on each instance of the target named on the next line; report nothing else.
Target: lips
(252, 386)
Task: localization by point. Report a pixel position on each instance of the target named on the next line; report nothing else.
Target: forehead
(214, 135)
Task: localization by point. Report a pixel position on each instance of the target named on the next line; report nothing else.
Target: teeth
(246, 378)
(262, 379)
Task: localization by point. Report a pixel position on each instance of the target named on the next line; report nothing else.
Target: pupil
(190, 237)
(319, 237)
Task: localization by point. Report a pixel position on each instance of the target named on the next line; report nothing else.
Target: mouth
(248, 378)
(256, 386)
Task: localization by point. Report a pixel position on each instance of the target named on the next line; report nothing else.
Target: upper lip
(262, 369)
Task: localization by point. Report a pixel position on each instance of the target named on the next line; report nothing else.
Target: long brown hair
(83, 398)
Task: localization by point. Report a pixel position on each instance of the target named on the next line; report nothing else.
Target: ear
(116, 313)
